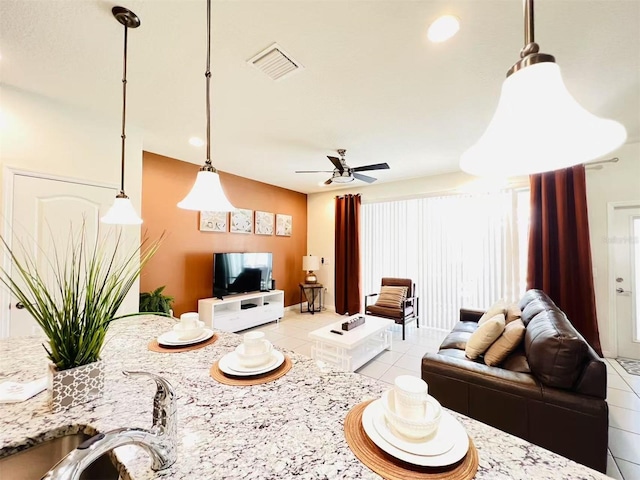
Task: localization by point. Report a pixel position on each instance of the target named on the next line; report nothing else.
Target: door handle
(19, 305)
(622, 290)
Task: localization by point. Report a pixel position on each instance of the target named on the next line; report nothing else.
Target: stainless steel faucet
(160, 442)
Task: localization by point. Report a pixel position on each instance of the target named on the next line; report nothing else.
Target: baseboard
(609, 354)
(295, 306)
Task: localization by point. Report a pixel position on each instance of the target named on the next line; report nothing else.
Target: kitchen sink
(33, 463)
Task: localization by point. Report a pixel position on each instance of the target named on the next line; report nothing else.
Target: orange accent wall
(184, 262)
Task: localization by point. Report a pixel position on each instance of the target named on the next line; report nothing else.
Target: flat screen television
(241, 272)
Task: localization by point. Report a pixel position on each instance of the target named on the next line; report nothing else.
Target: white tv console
(229, 316)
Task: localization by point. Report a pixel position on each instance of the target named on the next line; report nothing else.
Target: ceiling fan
(343, 173)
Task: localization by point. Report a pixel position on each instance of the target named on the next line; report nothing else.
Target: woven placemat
(390, 467)
(223, 378)
(154, 346)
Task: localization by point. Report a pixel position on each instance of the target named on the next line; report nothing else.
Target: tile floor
(623, 392)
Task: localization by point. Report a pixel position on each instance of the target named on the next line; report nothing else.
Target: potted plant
(74, 296)
(155, 302)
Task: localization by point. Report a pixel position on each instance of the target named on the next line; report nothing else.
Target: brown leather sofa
(551, 391)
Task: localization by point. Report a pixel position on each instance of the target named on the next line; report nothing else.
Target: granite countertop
(292, 427)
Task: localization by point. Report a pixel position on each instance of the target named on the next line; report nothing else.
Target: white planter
(75, 386)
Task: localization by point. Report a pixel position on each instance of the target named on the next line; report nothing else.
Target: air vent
(275, 62)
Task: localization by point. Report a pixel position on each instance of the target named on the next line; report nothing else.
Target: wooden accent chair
(408, 309)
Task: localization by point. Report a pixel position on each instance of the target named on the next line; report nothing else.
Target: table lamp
(309, 264)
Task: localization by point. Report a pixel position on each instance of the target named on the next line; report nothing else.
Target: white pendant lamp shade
(207, 194)
(538, 127)
(122, 213)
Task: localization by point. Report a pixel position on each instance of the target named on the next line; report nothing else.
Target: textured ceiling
(372, 83)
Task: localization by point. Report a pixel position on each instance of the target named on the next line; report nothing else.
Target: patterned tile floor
(623, 392)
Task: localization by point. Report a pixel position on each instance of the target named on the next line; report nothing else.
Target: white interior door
(43, 213)
(625, 238)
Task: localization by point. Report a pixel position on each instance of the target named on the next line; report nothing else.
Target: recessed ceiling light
(443, 28)
(196, 142)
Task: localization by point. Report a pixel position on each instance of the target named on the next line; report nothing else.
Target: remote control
(336, 331)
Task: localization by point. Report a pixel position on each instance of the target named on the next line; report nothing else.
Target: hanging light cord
(208, 167)
(124, 115)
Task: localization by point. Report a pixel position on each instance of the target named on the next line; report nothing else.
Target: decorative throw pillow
(507, 343)
(513, 313)
(391, 297)
(499, 307)
(484, 336)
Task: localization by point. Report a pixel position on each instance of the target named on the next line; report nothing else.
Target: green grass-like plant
(77, 296)
(155, 302)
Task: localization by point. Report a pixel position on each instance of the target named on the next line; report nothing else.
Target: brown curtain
(347, 266)
(559, 247)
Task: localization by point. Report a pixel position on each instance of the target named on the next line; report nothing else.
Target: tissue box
(353, 322)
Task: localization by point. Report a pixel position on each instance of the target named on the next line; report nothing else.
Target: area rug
(631, 366)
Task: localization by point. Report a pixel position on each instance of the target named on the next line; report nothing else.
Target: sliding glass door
(460, 250)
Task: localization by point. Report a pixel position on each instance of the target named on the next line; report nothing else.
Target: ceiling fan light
(538, 127)
(207, 194)
(121, 212)
(344, 177)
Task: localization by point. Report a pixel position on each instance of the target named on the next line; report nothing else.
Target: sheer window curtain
(460, 250)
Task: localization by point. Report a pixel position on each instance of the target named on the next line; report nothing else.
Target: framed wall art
(242, 221)
(213, 221)
(283, 225)
(264, 223)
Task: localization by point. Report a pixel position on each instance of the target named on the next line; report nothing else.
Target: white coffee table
(353, 348)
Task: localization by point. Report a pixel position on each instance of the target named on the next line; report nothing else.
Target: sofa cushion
(484, 336)
(505, 344)
(532, 303)
(555, 351)
(468, 327)
(456, 340)
(513, 313)
(495, 309)
(391, 297)
(517, 361)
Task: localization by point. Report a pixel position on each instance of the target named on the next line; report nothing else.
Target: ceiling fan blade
(337, 163)
(375, 166)
(364, 178)
(314, 171)
(328, 182)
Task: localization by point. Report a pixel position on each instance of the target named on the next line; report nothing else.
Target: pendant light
(538, 126)
(206, 193)
(122, 211)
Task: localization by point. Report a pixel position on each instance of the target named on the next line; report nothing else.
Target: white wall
(321, 212)
(614, 183)
(45, 136)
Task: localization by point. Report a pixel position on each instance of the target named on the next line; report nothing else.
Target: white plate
(439, 443)
(456, 430)
(229, 363)
(234, 364)
(170, 339)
